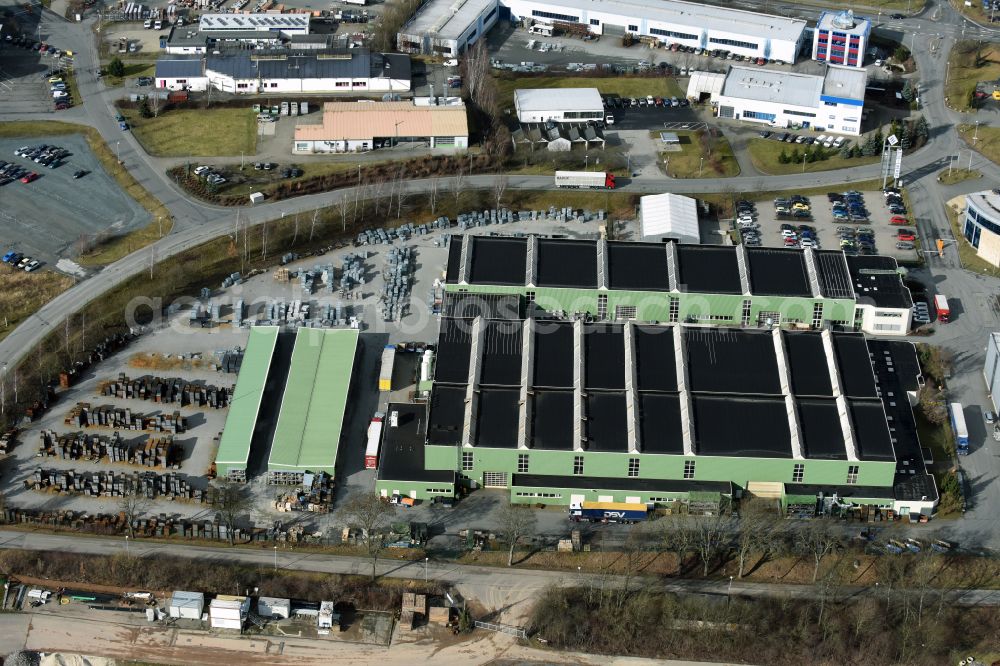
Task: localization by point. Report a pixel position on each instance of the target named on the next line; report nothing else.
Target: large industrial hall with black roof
(570, 371)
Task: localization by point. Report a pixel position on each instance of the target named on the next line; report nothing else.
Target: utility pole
(804, 155)
(701, 166)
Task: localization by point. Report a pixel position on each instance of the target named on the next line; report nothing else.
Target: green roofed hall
(313, 406)
(234, 448)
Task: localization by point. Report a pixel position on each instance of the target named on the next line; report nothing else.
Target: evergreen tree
(783, 157)
(909, 92)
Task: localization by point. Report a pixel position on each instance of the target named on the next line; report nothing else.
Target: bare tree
(131, 505)
(312, 226)
(371, 514)
(675, 538)
(342, 204)
(817, 539)
(500, 183)
(295, 233)
(432, 196)
(477, 69)
(709, 536)
(515, 523)
(234, 501)
(155, 103)
(458, 184)
(378, 191)
(755, 530)
(401, 193)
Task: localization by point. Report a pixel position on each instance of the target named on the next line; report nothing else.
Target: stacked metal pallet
(117, 484)
(168, 390)
(160, 452)
(84, 416)
(7, 441)
(396, 291)
(352, 271)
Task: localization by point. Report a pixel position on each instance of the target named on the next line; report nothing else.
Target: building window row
(689, 469)
(466, 461)
(804, 114)
(439, 491)
(544, 495)
(852, 474)
(759, 115)
(633, 28)
(522, 463)
(733, 42)
(633, 467)
(711, 317)
(984, 221)
(798, 472)
(578, 465)
(555, 17)
(675, 309)
(670, 33)
(625, 312)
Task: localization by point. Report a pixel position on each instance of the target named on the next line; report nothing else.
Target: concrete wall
(884, 321)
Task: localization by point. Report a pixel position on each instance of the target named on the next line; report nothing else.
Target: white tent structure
(187, 605)
(705, 83)
(669, 215)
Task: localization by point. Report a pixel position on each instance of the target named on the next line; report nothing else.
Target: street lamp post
(275, 558)
(729, 592)
(804, 155)
(701, 166)
(118, 151)
(426, 560)
(126, 544)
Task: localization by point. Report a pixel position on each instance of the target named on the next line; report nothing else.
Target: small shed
(187, 605)
(668, 215)
(274, 608)
(228, 611)
(256, 197)
(326, 618)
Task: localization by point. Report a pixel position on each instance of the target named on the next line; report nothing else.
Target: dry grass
(21, 294)
(196, 132)
(957, 176)
(155, 361)
(965, 71)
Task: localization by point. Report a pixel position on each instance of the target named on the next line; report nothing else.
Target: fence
(516, 632)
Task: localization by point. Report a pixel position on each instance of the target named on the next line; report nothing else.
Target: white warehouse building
(675, 22)
(565, 105)
(830, 103)
(447, 27)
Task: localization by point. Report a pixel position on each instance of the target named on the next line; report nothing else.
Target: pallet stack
(7, 441)
(117, 484)
(168, 391)
(107, 416)
(159, 452)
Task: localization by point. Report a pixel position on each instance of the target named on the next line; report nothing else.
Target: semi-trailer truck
(374, 439)
(608, 512)
(943, 311)
(958, 427)
(588, 180)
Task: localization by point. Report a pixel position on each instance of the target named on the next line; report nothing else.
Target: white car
(198, 171)
(820, 139)
(806, 243)
(838, 142)
(788, 233)
(451, 62)
(32, 265)
(59, 94)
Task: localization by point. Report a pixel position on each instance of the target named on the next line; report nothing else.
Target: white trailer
(585, 179)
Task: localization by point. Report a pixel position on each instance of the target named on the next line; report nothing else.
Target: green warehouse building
(290, 404)
(534, 397)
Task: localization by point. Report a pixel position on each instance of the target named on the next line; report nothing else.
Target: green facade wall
(737, 470)
(561, 496)
(418, 490)
(655, 306)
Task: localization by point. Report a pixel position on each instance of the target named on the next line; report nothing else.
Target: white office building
(675, 22)
(883, 304)
(831, 103)
(446, 27)
(981, 226)
(841, 38)
(565, 105)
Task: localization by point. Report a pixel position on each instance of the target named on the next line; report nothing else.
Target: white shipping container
(223, 623)
(272, 607)
(303, 108)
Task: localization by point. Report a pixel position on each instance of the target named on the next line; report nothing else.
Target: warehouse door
(605, 498)
(494, 479)
(576, 500)
(612, 29)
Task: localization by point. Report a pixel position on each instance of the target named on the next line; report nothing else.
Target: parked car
(29, 177)
(80, 173)
(898, 220)
(32, 265)
(904, 245)
(906, 235)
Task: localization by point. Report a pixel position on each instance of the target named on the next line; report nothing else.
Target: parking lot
(23, 85)
(75, 208)
(651, 117)
(828, 230)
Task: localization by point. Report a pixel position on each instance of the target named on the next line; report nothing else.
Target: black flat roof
(469, 305)
(708, 269)
(615, 483)
(552, 416)
(656, 366)
(846, 492)
(831, 271)
(566, 263)
(606, 422)
(453, 352)
(877, 282)
(638, 266)
(454, 259)
(402, 455)
(738, 426)
(730, 360)
(807, 363)
(660, 423)
(604, 357)
(501, 353)
(871, 431)
(777, 272)
(906, 366)
(497, 418)
(822, 433)
(447, 414)
(856, 373)
(553, 354)
(498, 260)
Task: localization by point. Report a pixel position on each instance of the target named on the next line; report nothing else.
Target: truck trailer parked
(943, 311)
(608, 512)
(958, 427)
(374, 439)
(385, 369)
(589, 180)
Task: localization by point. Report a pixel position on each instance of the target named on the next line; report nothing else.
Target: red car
(906, 235)
(60, 106)
(27, 178)
(898, 221)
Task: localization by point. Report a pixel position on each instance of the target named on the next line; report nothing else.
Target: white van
(147, 24)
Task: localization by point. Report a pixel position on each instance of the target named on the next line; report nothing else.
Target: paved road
(470, 577)
(937, 27)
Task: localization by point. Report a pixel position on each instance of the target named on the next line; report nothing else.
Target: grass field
(117, 247)
(957, 176)
(661, 86)
(21, 294)
(196, 132)
(965, 70)
(132, 70)
(765, 154)
(986, 141)
(711, 157)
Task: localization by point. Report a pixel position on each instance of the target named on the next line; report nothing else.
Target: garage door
(495, 479)
(605, 498)
(444, 141)
(612, 29)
